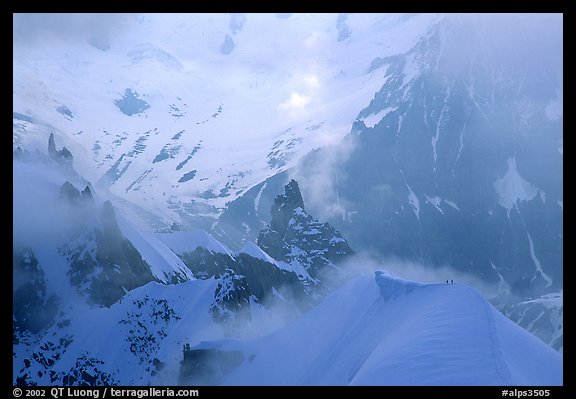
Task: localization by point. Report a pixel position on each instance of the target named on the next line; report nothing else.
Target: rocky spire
(64, 155)
(52, 146)
(86, 195)
(69, 193)
(284, 206)
(295, 236)
(72, 195)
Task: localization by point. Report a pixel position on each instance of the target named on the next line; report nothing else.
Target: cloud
(320, 184)
(306, 91)
(366, 264)
(296, 102)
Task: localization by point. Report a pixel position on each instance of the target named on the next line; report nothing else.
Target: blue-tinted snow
(390, 331)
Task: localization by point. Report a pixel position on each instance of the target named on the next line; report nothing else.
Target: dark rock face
(249, 214)
(264, 278)
(33, 308)
(295, 236)
(284, 205)
(69, 193)
(52, 146)
(103, 263)
(206, 264)
(63, 156)
(207, 366)
(86, 195)
(123, 268)
(243, 278)
(254, 280)
(131, 103)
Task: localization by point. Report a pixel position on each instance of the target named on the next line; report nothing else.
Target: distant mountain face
(542, 316)
(463, 165)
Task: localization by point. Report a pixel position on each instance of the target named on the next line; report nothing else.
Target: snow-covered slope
(187, 241)
(137, 341)
(99, 301)
(399, 332)
(179, 114)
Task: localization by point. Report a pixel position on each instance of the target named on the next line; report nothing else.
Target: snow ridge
(400, 332)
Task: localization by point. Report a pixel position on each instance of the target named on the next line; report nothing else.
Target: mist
(39, 214)
(38, 29)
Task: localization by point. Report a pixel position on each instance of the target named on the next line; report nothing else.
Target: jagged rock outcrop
(249, 279)
(69, 193)
(294, 236)
(232, 297)
(52, 146)
(103, 263)
(206, 264)
(86, 195)
(63, 156)
(243, 277)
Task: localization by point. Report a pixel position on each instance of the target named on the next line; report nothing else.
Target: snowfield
(162, 105)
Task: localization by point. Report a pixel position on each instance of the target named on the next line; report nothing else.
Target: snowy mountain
(82, 268)
(187, 192)
(386, 331)
(83, 274)
(458, 151)
(148, 101)
(463, 164)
